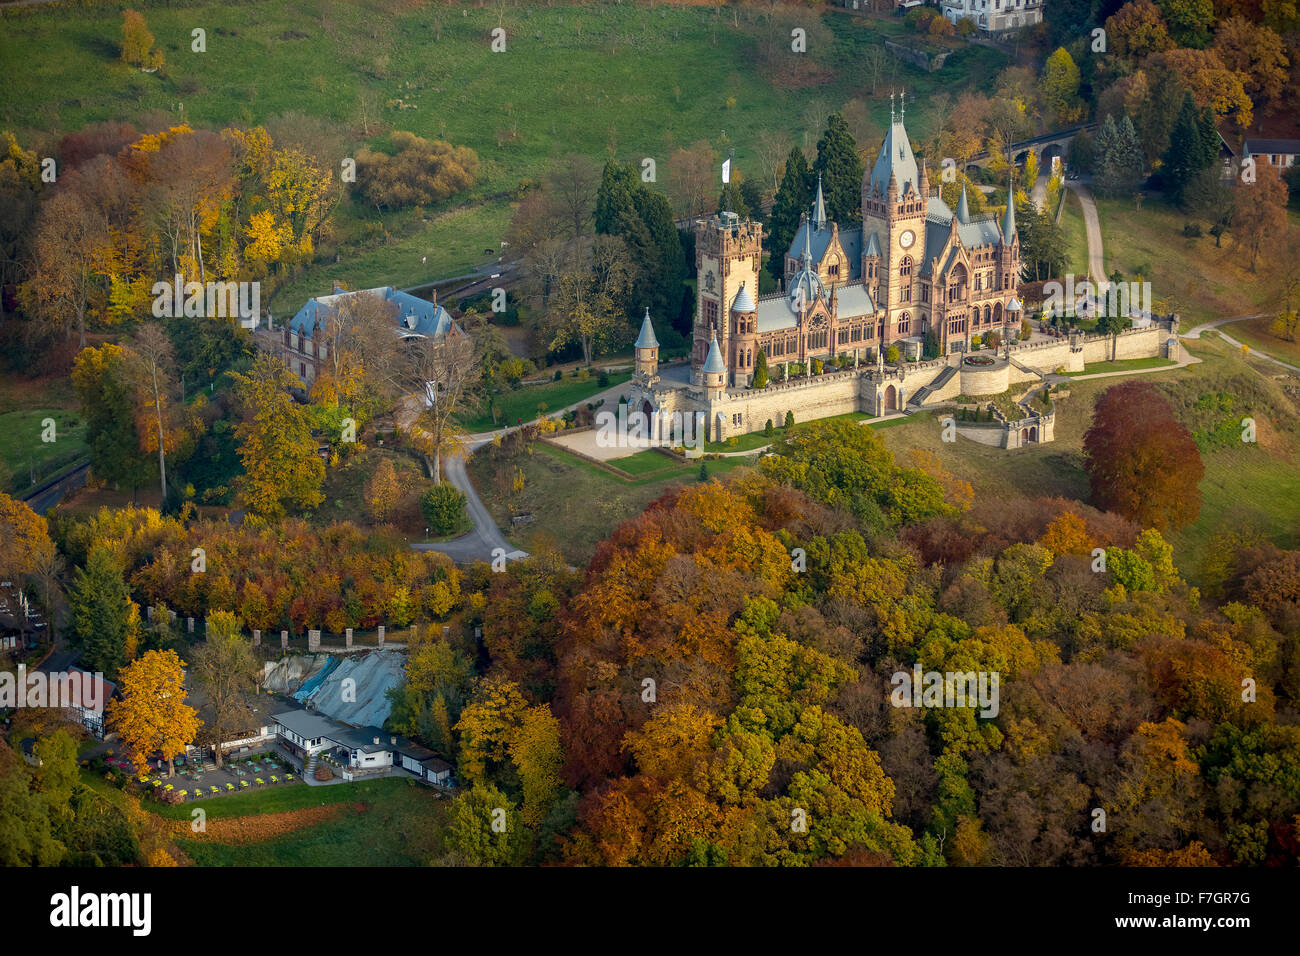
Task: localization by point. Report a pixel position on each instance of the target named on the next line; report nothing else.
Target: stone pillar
(415, 633)
(381, 635)
(284, 640)
(257, 638)
(149, 613)
(313, 640)
(347, 638)
(173, 616)
(191, 624)
(446, 631)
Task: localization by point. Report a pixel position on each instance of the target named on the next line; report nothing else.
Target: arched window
(905, 268)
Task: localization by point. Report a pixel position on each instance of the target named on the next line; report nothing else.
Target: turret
(714, 370)
(647, 350)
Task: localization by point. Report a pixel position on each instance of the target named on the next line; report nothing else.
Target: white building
(995, 17)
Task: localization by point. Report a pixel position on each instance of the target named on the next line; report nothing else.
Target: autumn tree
(1212, 83)
(25, 545)
(692, 177)
(1141, 461)
(418, 171)
(1137, 30)
(1257, 53)
(450, 367)
(154, 361)
(1059, 86)
(1259, 217)
(137, 43)
(382, 490)
(281, 467)
(152, 716)
(587, 288)
(65, 259)
(225, 667)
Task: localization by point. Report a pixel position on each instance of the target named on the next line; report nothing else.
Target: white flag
(726, 171)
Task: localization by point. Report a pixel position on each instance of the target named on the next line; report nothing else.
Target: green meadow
(621, 80)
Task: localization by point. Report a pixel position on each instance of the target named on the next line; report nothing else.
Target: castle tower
(647, 351)
(894, 208)
(728, 254)
(744, 331)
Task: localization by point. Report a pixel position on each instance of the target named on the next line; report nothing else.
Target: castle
(914, 268)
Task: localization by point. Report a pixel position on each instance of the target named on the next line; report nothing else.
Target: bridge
(1047, 144)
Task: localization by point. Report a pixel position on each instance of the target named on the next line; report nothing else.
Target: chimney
(337, 287)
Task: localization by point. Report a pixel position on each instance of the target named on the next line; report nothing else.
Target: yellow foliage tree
(152, 715)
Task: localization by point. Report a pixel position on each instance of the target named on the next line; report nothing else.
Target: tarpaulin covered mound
(352, 689)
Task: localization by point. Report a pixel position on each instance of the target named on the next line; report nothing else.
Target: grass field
(1076, 235)
(1246, 487)
(1122, 365)
(624, 80)
(24, 454)
(389, 822)
(522, 403)
(575, 503)
(1255, 333)
(1189, 276)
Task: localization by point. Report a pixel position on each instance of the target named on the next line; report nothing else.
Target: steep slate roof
(714, 361)
(744, 302)
(895, 158)
(646, 340)
(411, 315)
(1009, 220)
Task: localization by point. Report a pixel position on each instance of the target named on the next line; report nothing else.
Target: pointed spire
(819, 209)
(1009, 220)
(963, 208)
(713, 363)
(807, 245)
(647, 340)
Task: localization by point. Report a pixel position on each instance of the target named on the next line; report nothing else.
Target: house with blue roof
(305, 338)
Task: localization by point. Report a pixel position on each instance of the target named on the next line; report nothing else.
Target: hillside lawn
(1122, 365)
(1076, 235)
(1245, 488)
(575, 503)
(1190, 276)
(627, 80)
(521, 403)
(1256, 334)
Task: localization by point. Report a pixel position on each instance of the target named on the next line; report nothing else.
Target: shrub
(444, 508)
(603, 379)
(789, 419)
(1192, 230)
(993, 340)
(891, 355)
(558, 375)
(768, 430)
(817, 366)
(1025, 330)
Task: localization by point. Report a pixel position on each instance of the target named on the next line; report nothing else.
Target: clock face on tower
(907, 238)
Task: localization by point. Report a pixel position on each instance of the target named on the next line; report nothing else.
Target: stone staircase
(925, 391)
